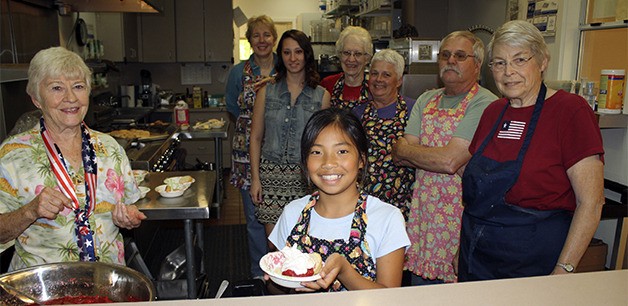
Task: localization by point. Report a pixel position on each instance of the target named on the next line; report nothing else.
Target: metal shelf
(612, 121)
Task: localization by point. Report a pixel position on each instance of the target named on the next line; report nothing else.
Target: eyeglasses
(460, 56)
(347, 54)
(500, 65)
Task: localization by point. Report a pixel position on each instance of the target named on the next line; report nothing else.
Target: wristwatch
(567, 267)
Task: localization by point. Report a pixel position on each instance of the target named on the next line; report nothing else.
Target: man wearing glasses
(436, 143)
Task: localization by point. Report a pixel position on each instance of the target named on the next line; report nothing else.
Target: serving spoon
(26, 298)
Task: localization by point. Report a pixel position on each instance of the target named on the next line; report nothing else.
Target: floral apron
(434, 220)
(337, 100)
(388, 182)
(356, 249)
(240, 159)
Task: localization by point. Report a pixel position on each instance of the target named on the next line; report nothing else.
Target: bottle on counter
(197, 97)
(610, 100)
(588, 93)
(182, 114)
(205, 99)
(188, 97)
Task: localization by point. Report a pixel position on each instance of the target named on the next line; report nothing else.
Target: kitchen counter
(193, 204)
(594, 288)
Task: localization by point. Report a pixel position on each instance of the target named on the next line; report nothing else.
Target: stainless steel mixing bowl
(57, 280)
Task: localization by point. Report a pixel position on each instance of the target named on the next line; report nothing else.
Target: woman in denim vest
(282, 108)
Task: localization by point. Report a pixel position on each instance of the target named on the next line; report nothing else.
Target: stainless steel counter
(189, 207)
(217, 135)
(193, 204)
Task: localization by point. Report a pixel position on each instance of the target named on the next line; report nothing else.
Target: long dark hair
(345, 121)
(311, 76)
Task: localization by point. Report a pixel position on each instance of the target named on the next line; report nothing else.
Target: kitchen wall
(280, 11)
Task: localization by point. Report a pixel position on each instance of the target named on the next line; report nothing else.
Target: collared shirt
(25, 171)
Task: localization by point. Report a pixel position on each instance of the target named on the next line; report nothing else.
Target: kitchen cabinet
(119, 35)
(204, 31)
(157, 41)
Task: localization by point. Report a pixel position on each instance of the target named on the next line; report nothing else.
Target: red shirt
(348, 93)
(567, 132)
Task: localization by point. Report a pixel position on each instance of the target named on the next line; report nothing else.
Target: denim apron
(501, 240)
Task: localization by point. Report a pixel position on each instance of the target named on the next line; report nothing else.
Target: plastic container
(610, 99)
(589, 94)
(181, 113)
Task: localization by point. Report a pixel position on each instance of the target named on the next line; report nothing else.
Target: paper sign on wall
(196, 74)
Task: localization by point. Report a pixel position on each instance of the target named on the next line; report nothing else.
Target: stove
(157, 155)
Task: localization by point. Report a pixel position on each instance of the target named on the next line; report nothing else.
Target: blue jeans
(256, 234)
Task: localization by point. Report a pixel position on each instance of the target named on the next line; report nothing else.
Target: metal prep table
(217, 135)
(191, 206)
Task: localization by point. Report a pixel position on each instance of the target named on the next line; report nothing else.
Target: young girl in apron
(361, 239)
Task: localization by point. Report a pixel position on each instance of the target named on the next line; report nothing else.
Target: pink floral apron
(434, 220)
(240, 159)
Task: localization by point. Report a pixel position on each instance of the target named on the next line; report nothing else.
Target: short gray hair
(520, 34)
(56, 62)
(390, 56)
(358, 32)
(478, 45)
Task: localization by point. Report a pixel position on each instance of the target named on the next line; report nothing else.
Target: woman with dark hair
(361, 238)
(282, 108)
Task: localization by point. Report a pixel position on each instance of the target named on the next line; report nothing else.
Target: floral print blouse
(25, 171)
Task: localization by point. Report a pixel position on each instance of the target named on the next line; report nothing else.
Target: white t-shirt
(385, 230)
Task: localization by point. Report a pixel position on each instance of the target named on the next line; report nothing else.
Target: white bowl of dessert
(179, 182)
(166, 192)
(290, 267)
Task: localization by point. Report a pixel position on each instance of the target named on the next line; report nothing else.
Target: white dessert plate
(269, 265)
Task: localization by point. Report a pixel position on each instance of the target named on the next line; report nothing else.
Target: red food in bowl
(289, 272)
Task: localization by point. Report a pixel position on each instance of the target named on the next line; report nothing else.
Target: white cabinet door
(158, 35)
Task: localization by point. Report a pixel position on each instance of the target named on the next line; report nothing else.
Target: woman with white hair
(350, 87)
(533, 188)
(385, 117)
(65, 189)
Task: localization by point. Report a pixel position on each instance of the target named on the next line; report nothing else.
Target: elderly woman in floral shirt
(64, 188)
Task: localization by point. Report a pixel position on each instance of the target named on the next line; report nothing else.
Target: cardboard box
(594, 258)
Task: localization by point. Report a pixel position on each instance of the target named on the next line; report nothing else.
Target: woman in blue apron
(533, 190)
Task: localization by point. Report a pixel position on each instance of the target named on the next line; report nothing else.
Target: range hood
(115, 6)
